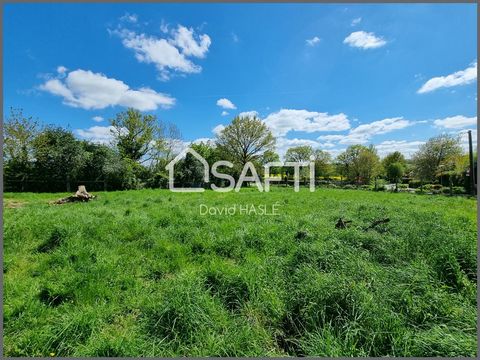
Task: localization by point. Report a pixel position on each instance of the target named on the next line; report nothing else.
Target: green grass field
(143, 273)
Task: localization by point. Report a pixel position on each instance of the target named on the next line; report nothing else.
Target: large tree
(395, 172)
(359, 163)
(246, 139)
(436, 151)
(19, 132)
(394, 157)
(139, 137)
(299, 153)
(58, 156)
(323, 163)
(305, 153)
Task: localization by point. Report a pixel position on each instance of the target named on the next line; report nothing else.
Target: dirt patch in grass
(14, 204)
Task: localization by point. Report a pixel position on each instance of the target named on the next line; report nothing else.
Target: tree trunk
(68, 183)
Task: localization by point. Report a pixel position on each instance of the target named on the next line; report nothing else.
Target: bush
(446, 190)
(456, 190)
(350, 186)
(158, 180)
(414, 184)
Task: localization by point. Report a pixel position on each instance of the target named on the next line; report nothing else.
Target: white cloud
(313, 41)
(235, 38)
(189, 43)
(287, 120)
(97, 118)
(461, 77)
(167, 54)
(226, 104)
(456, 122)
(203, 140)
(363, 133)
(356, 21)
(249, 114)
(88, 90)
(96, 134)
(224, 113)
(326, 145)
(164, 27)
(364, 40)
(218, 129)
(131, 18)
(382, 126)
(178, 145)
(61, 70)
(407, 148)
(347, 139)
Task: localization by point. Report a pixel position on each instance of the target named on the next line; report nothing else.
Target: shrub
(414, 184)
(446, 190)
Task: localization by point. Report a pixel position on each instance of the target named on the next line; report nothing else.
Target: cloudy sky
(321, 75)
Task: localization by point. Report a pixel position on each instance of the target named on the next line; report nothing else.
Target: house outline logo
(171, 165)
(243, 176)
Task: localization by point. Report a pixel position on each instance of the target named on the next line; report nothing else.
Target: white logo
(243, 175)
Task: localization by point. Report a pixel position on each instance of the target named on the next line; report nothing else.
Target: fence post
(470, 155)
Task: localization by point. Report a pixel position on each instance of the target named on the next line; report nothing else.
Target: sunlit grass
(142, 273)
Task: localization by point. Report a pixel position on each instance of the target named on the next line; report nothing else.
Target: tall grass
(142, 273)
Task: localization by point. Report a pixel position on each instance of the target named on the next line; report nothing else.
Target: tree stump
(81, 195)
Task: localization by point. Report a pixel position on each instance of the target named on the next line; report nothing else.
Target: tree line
(50, 158)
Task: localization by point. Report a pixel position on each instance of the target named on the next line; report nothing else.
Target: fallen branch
(342, 224)
(376, 223)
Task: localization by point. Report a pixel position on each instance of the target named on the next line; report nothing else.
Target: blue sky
(317, 74)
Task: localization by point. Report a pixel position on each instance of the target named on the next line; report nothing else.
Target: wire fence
(54, 185)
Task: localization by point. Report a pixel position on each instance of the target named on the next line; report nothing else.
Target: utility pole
(470, 155)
